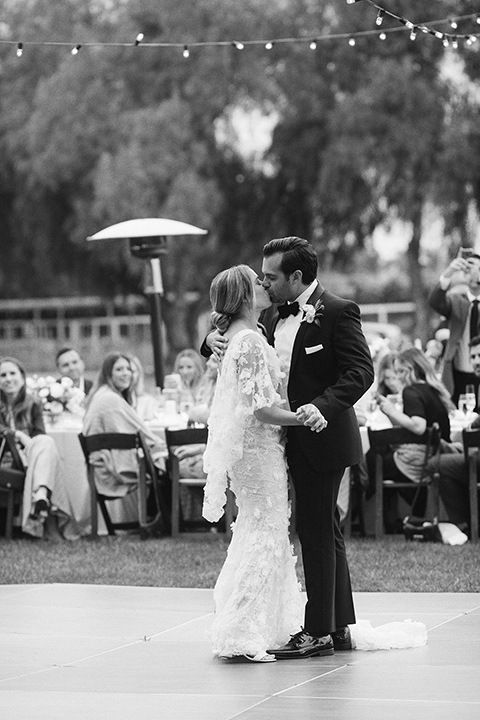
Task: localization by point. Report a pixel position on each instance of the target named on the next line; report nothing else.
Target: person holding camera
(457, 297)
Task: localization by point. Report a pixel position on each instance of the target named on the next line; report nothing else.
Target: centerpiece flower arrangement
(57, 396)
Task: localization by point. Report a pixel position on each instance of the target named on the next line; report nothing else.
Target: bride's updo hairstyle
(230, 290)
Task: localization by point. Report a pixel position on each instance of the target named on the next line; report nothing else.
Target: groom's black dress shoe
(304, 645)
(342, 639)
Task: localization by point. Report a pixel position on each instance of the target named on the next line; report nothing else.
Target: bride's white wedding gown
(258, 603)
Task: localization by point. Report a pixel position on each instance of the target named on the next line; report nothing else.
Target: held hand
(310, 416)
(217, 344)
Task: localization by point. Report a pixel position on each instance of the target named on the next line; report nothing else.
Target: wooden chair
(381, 442)
(189, 436)
(12, 479)
(148, 479)
(471, 448)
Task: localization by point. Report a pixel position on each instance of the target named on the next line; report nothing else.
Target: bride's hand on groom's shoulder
(310, 416)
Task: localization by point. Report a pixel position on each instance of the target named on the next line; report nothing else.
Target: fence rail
(33, 330)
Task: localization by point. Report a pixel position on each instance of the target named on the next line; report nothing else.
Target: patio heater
(148, 238)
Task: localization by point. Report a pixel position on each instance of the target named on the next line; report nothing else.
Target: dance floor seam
(86, 651)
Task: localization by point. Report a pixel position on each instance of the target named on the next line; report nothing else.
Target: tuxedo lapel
(299, 338)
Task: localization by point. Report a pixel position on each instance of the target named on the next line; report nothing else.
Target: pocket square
(313, 349)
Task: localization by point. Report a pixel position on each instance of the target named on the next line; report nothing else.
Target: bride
(257, 597)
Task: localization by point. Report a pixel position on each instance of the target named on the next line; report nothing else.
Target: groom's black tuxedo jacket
(332, 368)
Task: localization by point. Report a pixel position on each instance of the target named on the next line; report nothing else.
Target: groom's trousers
(327, 578)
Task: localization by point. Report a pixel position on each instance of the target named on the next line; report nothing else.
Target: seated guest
(425, 401)
(70, 364)
(43, 492)
(110, 410)
(189, 365)
(200, 410)
(191, 456)
(451, 468)
(387, 381)
(144, 403)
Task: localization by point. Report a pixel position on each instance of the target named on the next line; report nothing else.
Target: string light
(186, 52)
(383, 36)
(381, 13)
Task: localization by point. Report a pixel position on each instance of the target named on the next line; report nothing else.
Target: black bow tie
(288, 309)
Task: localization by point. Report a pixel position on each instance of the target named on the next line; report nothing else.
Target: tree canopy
(362, 136)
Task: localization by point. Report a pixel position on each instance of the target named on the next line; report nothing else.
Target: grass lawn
(194, 561)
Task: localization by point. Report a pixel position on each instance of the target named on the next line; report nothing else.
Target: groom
(319, 339)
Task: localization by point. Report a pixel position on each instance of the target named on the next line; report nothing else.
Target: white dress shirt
(287, 328)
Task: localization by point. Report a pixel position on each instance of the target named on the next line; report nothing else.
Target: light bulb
(186, 52)
(19, 49)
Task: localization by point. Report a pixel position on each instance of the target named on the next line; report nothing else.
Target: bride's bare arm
(275, 415)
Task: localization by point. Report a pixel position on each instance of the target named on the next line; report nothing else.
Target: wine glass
(470, 399)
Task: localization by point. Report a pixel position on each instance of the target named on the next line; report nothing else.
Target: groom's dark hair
(297, 254)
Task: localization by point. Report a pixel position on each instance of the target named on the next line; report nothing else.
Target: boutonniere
(313, 313)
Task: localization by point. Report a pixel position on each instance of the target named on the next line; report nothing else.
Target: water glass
(462, 403)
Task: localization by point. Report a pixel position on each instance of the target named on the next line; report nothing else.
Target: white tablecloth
(74, 476)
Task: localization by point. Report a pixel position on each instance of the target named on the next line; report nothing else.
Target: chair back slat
(108, 441)
(189, 436)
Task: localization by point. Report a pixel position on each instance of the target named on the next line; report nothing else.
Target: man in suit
(319, 339)
(322, 347)
(70, 364)
(457, 297)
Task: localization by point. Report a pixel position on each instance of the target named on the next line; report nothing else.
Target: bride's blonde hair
(230, 290)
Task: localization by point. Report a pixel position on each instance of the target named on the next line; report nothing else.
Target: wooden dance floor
(129, 653)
